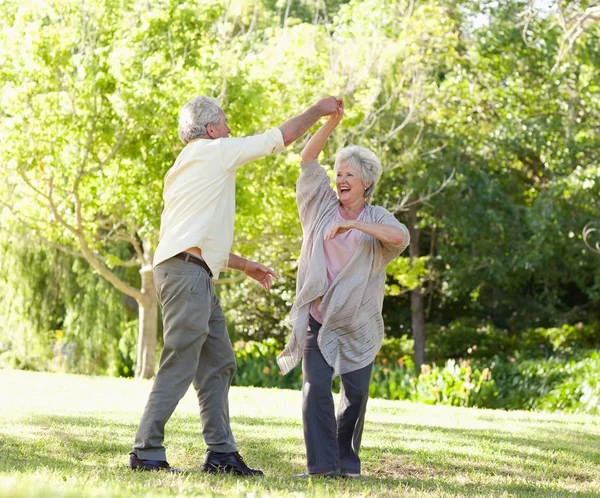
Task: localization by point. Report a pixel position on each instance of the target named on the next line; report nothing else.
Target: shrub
(556, 384)
(468, 338)
(565, 339)
(394, 348)
(256, 366)
(579, 388)
(455, 384)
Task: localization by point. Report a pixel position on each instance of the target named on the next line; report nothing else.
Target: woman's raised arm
(316, 143)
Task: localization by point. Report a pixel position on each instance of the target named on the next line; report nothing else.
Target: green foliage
(468, 338)
(395, 348)
(579, 388)
(60, 317)
(257, 366)
(89, 102)
(406, 274)
(563, 384)
(554, 384)
(455, 384)
(564, 340)
(265, 316)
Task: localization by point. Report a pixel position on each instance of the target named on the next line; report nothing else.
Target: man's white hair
(195, 116)
(362, 160)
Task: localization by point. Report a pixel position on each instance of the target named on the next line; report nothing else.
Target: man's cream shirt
(199, 196)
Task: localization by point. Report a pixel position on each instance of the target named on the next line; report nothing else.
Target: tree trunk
(418, 325)
(148, 321)
(417, 308)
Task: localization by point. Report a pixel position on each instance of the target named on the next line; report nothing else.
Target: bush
(395, 348)
(566, 339)
(256, 366)
(468, 338)
(555, 384)
(456, 384)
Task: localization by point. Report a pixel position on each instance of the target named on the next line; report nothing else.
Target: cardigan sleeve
(313, 191)
(388, 252)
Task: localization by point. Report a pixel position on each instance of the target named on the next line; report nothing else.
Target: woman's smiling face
(349, 184)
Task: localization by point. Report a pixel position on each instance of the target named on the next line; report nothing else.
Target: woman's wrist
(330, 125)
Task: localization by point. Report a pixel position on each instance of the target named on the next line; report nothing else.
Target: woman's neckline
(357, 217)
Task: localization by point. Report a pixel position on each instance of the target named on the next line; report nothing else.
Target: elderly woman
(336, 317)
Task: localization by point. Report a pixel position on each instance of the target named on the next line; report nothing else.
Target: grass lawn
(69, 436)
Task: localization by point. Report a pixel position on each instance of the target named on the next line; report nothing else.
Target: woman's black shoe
(333, 474)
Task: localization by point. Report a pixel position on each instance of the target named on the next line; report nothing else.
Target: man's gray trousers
(196, 349)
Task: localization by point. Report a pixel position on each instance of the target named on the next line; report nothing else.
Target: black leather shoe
(136, 463)
(228, 463)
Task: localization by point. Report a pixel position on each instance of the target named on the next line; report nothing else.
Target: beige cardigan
(352, 330)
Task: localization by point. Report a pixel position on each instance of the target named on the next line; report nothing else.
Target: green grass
(68, 436)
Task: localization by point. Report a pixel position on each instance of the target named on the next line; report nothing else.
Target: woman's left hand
(261, 273)
(338, 228)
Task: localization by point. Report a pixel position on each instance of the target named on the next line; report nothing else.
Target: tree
(573, 17)
(384, 58)
(73, 170)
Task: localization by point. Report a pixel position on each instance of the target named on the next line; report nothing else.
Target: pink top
(338, 252)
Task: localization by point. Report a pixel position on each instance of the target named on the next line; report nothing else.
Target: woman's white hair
(362, 160)
(195, 116)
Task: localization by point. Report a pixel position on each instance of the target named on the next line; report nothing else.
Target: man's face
(220, 129)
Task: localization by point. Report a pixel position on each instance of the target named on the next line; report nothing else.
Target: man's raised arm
(297, 126)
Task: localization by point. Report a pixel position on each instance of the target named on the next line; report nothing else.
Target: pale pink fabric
(338, 252)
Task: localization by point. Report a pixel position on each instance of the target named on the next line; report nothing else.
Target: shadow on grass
(520, 464)
(548, 445)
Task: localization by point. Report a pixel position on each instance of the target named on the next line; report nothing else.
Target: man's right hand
(330, 105)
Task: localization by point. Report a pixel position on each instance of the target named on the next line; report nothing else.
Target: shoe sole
(170, 470)
(227, 469)
(318, 476)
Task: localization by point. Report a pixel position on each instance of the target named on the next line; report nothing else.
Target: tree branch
(93, 259)
(405, 205)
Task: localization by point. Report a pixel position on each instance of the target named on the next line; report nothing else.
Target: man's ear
(210, 130)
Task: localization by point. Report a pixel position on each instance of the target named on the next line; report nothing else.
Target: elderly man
(196, 235)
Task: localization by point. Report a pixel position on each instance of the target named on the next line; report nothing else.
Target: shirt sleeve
(388, 252)
(313, 191)
(235, 152)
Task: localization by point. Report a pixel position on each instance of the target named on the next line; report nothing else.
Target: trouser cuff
(222, 448)
(321, 469)
(151, 454)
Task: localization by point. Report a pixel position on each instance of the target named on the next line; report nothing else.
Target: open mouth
(344, 189)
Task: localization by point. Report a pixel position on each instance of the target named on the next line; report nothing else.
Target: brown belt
(187, 257)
